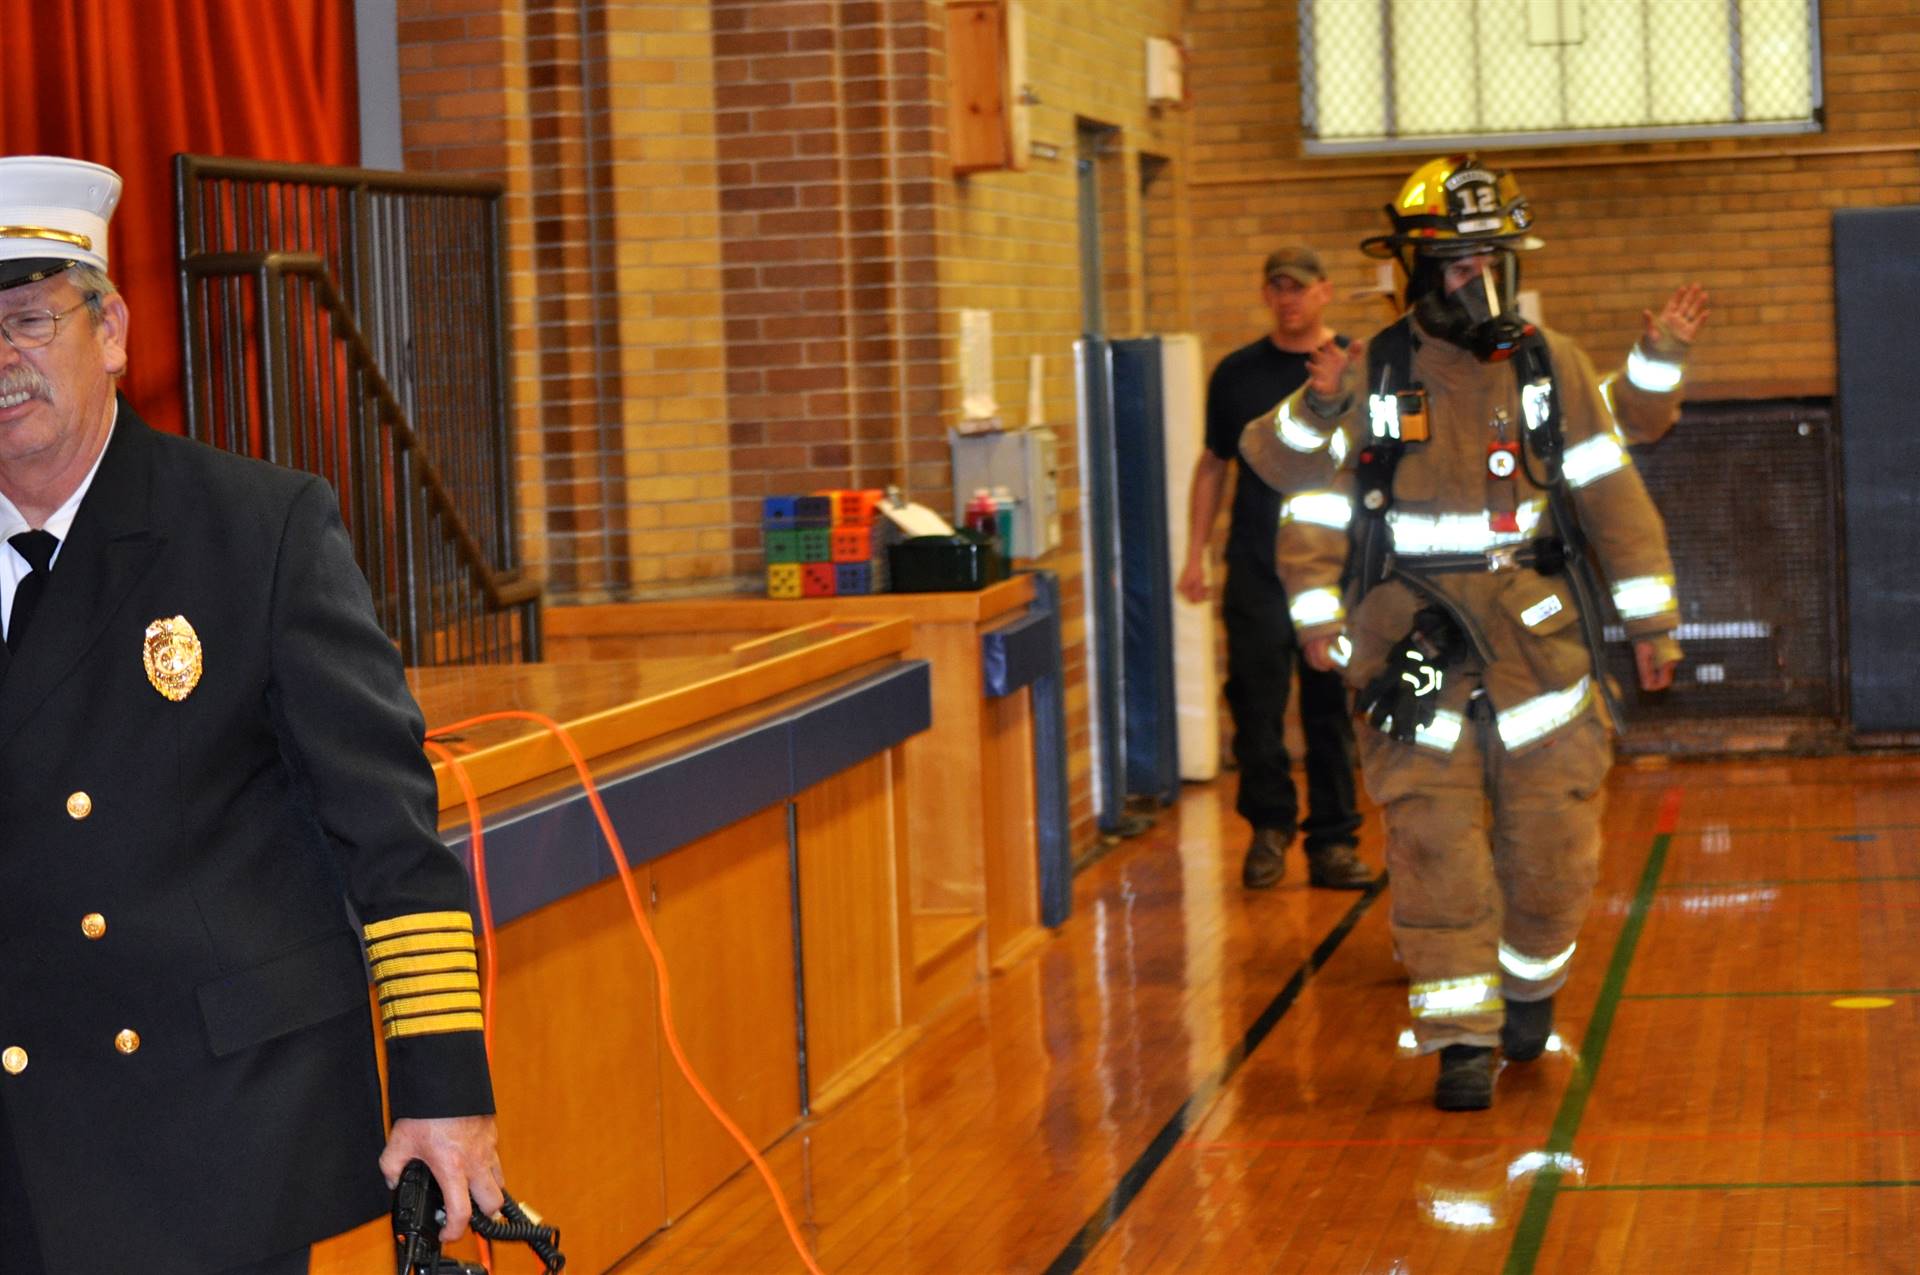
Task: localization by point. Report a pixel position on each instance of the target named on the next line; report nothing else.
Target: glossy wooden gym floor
(1190, 1077)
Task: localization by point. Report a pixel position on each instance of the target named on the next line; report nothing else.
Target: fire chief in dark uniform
(214, 814)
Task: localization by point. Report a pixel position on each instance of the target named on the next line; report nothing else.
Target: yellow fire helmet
(1453, 206)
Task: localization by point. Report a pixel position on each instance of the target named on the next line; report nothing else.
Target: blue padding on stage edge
(1016, 654)
(850, 725)
(544, 851)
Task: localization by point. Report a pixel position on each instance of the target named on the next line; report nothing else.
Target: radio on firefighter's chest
(1412, 407)
(1398, 416)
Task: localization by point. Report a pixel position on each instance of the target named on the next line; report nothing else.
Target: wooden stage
(830, 812)
(1187, 1077)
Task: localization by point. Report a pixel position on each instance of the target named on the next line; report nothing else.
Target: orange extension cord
(619, 853)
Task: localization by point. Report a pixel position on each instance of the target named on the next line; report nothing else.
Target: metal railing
(350, 323)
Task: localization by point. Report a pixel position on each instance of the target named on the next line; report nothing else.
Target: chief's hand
(1654, 676)
(463, 1154)
(1681, 318)
(1328, 364)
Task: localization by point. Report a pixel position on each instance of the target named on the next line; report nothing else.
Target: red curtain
(128, 83)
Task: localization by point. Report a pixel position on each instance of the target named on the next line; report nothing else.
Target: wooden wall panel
(852, 925)
(1012, 866)
(576, 1049)
(723, 921)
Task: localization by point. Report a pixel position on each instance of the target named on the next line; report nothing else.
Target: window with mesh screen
(1407, 74)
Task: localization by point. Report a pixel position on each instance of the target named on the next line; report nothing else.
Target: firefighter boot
(1525, 1032)
(1466, 1078)
(1337, 867)
(1266, 860)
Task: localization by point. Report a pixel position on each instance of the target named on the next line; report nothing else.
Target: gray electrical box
(1022, 464)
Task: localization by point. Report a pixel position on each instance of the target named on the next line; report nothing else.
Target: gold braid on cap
(83, 242)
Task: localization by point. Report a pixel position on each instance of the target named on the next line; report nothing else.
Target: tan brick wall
(598, 117)
(1624, 224)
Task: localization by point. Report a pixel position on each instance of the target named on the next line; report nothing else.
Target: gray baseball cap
(1296, 262)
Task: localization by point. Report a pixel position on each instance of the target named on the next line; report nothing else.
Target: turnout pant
(1262, 657)
(1494, 857)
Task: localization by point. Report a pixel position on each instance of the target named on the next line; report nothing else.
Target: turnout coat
(1539, 681)
(190, 887)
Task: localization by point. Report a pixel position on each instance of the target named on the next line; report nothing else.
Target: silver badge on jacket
(172, 655)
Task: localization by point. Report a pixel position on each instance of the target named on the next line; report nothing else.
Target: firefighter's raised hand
(1327, 365)
(1680, 319)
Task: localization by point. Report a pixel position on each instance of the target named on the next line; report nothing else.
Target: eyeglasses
(31, 329)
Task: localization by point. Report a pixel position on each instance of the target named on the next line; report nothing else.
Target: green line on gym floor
(1532, 1227)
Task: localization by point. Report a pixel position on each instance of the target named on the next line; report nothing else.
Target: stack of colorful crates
(825, 545)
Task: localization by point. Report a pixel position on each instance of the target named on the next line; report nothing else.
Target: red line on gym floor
(1669, 817)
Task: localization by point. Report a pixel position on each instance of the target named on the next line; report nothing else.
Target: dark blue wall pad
(546, 850)
(1014, 655)
(847, 726)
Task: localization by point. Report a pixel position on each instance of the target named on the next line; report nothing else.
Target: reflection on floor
(1733, 1090)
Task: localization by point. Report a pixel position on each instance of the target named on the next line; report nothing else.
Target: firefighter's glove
(1406, 695)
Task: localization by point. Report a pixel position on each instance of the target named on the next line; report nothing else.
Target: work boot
(1525, 1032)
(1266, 860)
(1466, 1078)
(1337, 867)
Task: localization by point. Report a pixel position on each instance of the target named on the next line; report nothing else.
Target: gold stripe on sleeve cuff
(415, 1006)
(420, 985)
(431, 963)
(434, 1025)
(406, 944)
(417, 923)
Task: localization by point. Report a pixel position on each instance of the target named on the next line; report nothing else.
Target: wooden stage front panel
(598, 1128)
(971, 827)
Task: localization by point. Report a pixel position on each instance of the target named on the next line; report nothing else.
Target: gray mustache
(23, 378)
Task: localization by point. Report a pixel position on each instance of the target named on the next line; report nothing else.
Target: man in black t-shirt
(1262, 655)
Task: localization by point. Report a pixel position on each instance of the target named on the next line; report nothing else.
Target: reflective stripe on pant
(1490, 851)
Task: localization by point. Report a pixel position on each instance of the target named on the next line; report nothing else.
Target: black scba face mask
(1479, 316)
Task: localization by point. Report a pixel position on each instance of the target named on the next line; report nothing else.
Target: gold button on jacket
(14, 1059)
(79, 805)
(127, 1041)
(93, 925)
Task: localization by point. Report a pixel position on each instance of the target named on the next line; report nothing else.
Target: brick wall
(831, 283)
(1624, 224)
(598, 117)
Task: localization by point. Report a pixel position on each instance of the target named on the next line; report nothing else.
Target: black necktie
(37, 548)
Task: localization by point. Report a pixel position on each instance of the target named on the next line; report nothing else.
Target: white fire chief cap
(53, 215)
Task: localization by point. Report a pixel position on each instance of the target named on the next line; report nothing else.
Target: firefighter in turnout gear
(1463, 516)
